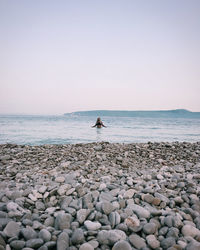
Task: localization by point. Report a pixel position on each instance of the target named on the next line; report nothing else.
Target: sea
(121, 127)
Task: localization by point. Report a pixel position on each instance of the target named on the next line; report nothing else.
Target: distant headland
(184, 113)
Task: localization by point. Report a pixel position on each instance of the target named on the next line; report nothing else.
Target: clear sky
(64, 56)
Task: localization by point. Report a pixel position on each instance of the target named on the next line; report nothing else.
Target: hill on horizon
(184, 113)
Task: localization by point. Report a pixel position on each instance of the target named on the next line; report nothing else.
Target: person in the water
(99, 123)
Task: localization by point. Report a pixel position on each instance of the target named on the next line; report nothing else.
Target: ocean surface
(121, 127)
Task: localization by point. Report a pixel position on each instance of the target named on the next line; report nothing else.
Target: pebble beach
(100, 196)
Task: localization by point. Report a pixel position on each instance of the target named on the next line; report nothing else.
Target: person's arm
(94, 126)
(103, 125)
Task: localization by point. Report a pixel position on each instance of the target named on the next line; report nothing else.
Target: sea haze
(122, 127)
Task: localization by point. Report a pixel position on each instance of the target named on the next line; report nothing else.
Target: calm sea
(65, 129)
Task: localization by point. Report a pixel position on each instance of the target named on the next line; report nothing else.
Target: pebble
(12, 229)
(92, 226)
(100, 196)
(152, 241)
(137, 241)
(122, 245)
(86, 246)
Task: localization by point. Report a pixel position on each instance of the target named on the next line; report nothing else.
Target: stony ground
(100, 196)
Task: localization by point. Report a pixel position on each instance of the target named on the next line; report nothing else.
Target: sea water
(67, 129)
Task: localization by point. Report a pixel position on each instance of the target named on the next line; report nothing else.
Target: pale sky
(64, 56)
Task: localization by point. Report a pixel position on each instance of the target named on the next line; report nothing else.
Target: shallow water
(37, 130)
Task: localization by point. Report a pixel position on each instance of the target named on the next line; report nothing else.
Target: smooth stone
(63, 241)
(148, 198)
(40, 205)
(12, 229)
(129, 194)
(110, 237)
(86, 246)
(32, 197)
(106, 196)
(152, 241)
(189, 230)
(82, 215)
(78, 236)
(168, 242)
(63, 221)
(107, 207)
(28, 233)
(122, 245)
(193, 245)
(149, 228)
(45, 235)
(173, 232)
(94, 243)
(17, 244)
(42, 189)
(137, 241)
(114, 219)
(162, 197)
(92, 226)
(49, 222)
(132, 222)
(2, 241)
(34, 243)
(60, 179)
(63, 189)
(169, 220)
(140, 211)
(70, 178)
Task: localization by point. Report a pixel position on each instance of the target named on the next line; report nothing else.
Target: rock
(148, 198)
(2, 241)
(92, 226)
(110, 237)
(132, 223)
(168, 242)
(82, 215)
(60, 179)
(78, 237)
(28, 233)
(188, 230)
(34, 243)
(12, 229)
(169, 221)
(63, 221)
(106, 196)
(17, 244)
(107, 207)
(161, 197)
(114, 219)
(129, 194)
(140, 211)
(137, 241)
(86, 246)
(193, 245)
(63, 241)
(40, 205)
(152, 241)
(42, 189)
(122, 245)
(149, 228)
(45, 235)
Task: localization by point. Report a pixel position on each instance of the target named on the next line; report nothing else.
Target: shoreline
(100, 196)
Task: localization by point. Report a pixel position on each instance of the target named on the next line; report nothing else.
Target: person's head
(98, 119)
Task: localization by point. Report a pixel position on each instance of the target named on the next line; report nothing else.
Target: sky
(74, 55)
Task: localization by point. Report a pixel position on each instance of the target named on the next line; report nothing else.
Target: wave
(176, 113)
